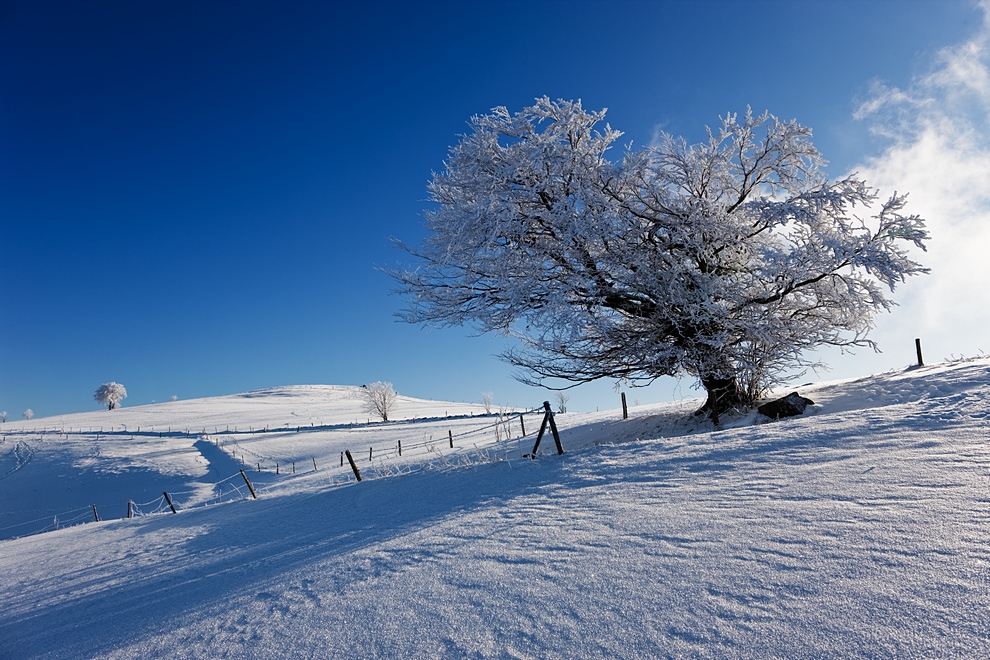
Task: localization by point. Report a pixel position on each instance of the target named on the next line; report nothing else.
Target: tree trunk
(723, 395)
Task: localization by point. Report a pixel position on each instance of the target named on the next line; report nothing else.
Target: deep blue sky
(194, 195)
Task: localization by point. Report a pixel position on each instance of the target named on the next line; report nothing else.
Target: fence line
(383, 467)
(392, 449)
(186, 430)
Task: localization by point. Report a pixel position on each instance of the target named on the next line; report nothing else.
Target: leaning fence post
(169, 500)
(917, 347)
(95, 514)
(543, 429)
(553, 429)
(314, 464)
(522, 424)
(625, 410)
(350, 459)
(250, 487)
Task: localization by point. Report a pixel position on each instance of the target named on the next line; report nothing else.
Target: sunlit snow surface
(860, 529)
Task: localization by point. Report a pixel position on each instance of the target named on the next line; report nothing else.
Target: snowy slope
(53, 471)
(860, 529)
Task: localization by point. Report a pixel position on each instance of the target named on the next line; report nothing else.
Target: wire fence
(185, 430)
(503, 427)
(465, 448)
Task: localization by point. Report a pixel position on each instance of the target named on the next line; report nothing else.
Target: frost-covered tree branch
(725, 260)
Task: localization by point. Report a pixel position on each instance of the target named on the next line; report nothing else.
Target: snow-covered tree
(380, 399)
(725, 260)
(487, 401)
(562, 398)
(28, 414)
(3, 416)
(110, 394)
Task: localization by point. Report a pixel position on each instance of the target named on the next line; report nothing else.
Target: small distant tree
(562, 400)
(110, 394)
(175, 398)
(380, 399)
(28, 414)
(3, 416)
(487, 401)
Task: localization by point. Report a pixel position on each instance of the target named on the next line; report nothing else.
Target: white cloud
(938, 150)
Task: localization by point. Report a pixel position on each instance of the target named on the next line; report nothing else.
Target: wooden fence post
(553, 429)
(350, 459)
(169, 500)
(625, 410)
(130, 506)
(450, 435)
(522, 424)
(917, 347)
(547, 420)
(543, 429)
(250, 487)
(314, 464)
(95, 514)
(400, 447)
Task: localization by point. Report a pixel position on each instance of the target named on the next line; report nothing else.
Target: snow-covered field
(859, 529)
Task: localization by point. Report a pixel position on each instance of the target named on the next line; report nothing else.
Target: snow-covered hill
(859, 529)
(54, 471)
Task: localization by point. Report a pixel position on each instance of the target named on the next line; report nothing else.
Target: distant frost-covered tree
(487, 401)
(110, 394)
(28, 414)
(3, 416)
(379, 399)
(725, 260)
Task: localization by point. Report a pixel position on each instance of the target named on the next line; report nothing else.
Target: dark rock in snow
(791, 405)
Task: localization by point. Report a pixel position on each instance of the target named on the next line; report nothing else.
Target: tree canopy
(110, 394)
(725, 260)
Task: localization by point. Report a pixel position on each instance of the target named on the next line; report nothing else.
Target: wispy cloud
(937, 136)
